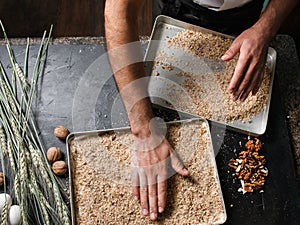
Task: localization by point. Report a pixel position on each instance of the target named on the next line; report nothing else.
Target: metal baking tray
(72, 136)
(161, 87)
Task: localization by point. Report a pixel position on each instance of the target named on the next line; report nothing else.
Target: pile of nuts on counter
(250, 166)
(54, 154)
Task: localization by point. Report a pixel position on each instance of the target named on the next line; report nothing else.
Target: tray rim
(271, 53)
(71, 136)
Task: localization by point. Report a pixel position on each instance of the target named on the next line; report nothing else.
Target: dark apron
(231, 21)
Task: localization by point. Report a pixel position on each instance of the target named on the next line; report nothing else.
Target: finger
(249, 81)
(177, 164)
(162, 195)
(246, 86)
(243, 83)
(135, 183)
(232, 51)
(258, 83)
(238, 75)
(261, 73)
(246, 92)
(143, 193)
(249, 87)
(152, 187)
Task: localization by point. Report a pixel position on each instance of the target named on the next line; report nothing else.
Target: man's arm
(121, 28)
(252, 45)
(124, 50)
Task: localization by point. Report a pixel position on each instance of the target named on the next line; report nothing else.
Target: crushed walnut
(195, 59)
(250, 166)
(102, 196)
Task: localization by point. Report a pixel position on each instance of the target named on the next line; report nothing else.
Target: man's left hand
(249, 71)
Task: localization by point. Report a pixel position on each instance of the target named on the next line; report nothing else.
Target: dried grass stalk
(36, 189)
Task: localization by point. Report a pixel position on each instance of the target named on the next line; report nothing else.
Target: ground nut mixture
(99, 200)
(250, 167)
(207, 84)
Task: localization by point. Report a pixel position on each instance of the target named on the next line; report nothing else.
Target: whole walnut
(61, 132)
(1, 179)
(59, 167)
(54, 154)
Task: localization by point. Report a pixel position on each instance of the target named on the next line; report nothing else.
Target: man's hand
(249, 71)
(252, 45)
(152, 158)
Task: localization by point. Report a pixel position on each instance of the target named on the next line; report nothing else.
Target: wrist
(265, 32)
(272, 17)
(140, 128)
(140, 116)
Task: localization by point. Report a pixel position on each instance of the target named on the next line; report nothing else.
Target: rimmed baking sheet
(165, 88)
(85, 145)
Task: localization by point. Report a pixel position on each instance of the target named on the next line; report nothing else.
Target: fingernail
(160, 209)
(136, 198)
(153, 216)
(224, 57)
(185, 171)
(145, 212)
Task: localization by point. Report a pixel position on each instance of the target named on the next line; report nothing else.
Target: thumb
(177, 164)
(231, 52)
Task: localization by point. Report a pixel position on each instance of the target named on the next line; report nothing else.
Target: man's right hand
(151, 158)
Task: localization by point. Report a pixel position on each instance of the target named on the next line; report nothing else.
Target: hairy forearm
(126, 58)
(273, 16)
(121, 28)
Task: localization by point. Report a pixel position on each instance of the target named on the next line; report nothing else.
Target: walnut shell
(61, 132)
(1, 179)
(59, 167)
(54, 154)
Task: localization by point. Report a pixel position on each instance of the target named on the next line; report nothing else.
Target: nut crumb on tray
(206, 78)
(105, 197)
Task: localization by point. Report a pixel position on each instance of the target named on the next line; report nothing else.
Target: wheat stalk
(37, 190)
(36, 160)
(21, 76)
(45, 214)
(10, 156)
(3, 141)
(17, 187)
(4, 214)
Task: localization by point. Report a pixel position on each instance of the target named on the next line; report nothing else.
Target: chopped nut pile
(99, 199)
(250, 166)
(206, 77)
(201, 44)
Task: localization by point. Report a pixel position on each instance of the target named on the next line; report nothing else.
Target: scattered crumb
(208, 89)
(100, 200)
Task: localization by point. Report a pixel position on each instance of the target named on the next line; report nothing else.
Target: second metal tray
(77, 136)
(164, 86)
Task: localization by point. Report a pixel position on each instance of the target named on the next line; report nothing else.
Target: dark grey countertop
(288, 74)
(69, 88)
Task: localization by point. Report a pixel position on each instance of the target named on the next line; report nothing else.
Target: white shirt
(219, 5)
